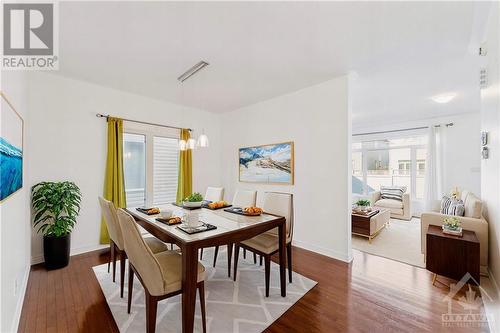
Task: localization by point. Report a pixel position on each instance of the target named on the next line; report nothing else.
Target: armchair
(399, 209)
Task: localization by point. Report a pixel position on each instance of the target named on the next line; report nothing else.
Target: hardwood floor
(372, 294)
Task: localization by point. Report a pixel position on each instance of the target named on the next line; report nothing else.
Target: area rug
(239, 306)
(400, 241)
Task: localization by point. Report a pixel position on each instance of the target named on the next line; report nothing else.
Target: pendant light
(202, 140)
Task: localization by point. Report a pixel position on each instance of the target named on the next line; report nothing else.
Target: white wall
(15, 227)
(317, 120)
(490, 122)
(68, 142)
(463, 148)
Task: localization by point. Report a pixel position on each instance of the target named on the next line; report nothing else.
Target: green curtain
(184, 185)
(114, 184)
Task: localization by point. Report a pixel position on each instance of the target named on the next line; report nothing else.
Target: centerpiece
(451, 226)
(362, 205)
(194, 200)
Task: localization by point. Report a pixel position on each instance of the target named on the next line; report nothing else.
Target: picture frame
(11, 149)
(267, 164)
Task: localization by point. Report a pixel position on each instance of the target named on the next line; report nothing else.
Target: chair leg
(201, 291)
(123, 257)
(110, 254)
(215, 254)
(254, 258)
(130, 287)
(229, 257)
(201, 254)
(171, 246)
(289, 258)
(244, 253)
(260, 260)
(113, 258)
(151, 307)
(236, 255)
(267, 261)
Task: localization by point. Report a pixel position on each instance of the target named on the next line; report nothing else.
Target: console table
(452, 256)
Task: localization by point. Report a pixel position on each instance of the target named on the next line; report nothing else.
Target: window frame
(149, 132)
(413, 156)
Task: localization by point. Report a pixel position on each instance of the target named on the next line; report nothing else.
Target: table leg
(189, 286)
(282, 258)
(229, 256)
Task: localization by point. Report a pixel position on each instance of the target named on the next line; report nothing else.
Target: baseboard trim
(494, 282)
(38, 259)
(324, 251)
(20, 300)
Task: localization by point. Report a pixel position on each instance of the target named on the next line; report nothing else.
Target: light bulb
(182, 145)
(191, 143)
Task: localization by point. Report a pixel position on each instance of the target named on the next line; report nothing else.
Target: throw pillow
(450, 206)
(392, 192)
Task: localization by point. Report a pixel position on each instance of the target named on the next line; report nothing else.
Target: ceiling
(403, 52)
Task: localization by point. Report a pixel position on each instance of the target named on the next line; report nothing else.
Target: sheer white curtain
(436, 166)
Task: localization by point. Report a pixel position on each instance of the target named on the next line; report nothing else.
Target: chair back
(140, 255)
(280, 204)
(214, 194)
(244, 198)
(110, 218)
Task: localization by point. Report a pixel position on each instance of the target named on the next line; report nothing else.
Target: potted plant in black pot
(55, 206)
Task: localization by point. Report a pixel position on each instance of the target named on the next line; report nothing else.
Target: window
(165, 169)
(151, 164)
(134, 168)
(397, 161)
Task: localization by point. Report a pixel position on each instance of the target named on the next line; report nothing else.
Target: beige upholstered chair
(159, 273)
(242, 198)
(214, 194)
(116, 240)
(266, 244)
(399, 209)
(473, 221)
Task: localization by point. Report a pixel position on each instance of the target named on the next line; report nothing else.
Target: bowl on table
(192, 203)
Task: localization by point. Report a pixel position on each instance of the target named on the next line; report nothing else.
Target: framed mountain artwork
(11, 149)
(268, 164)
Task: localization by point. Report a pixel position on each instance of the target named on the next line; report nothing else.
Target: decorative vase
(56, 251)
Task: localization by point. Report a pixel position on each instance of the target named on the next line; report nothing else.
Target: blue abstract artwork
(11, 168)
(267, 164)
(11, 149)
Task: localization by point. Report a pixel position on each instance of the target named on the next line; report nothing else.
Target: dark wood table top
(467, 235)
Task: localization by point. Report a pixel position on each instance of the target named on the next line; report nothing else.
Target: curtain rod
(140, 122)
(401, 130)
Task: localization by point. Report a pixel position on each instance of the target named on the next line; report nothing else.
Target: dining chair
(214, 194)
(267, 244)
(242, 198)
(159, 273)
(116, 246)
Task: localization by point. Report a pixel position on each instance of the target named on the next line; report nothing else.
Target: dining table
(231, 228)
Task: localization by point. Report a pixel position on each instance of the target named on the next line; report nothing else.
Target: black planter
(56, 251)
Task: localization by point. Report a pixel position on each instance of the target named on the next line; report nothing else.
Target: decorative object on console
(451, 226)
(362, 205)
(267, 164)
(455, 193)
(11, 149)
(56, 206)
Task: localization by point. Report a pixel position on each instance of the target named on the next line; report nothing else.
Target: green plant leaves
(56, 206)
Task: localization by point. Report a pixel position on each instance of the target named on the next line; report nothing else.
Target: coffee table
(452, 256)
(370, 225)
